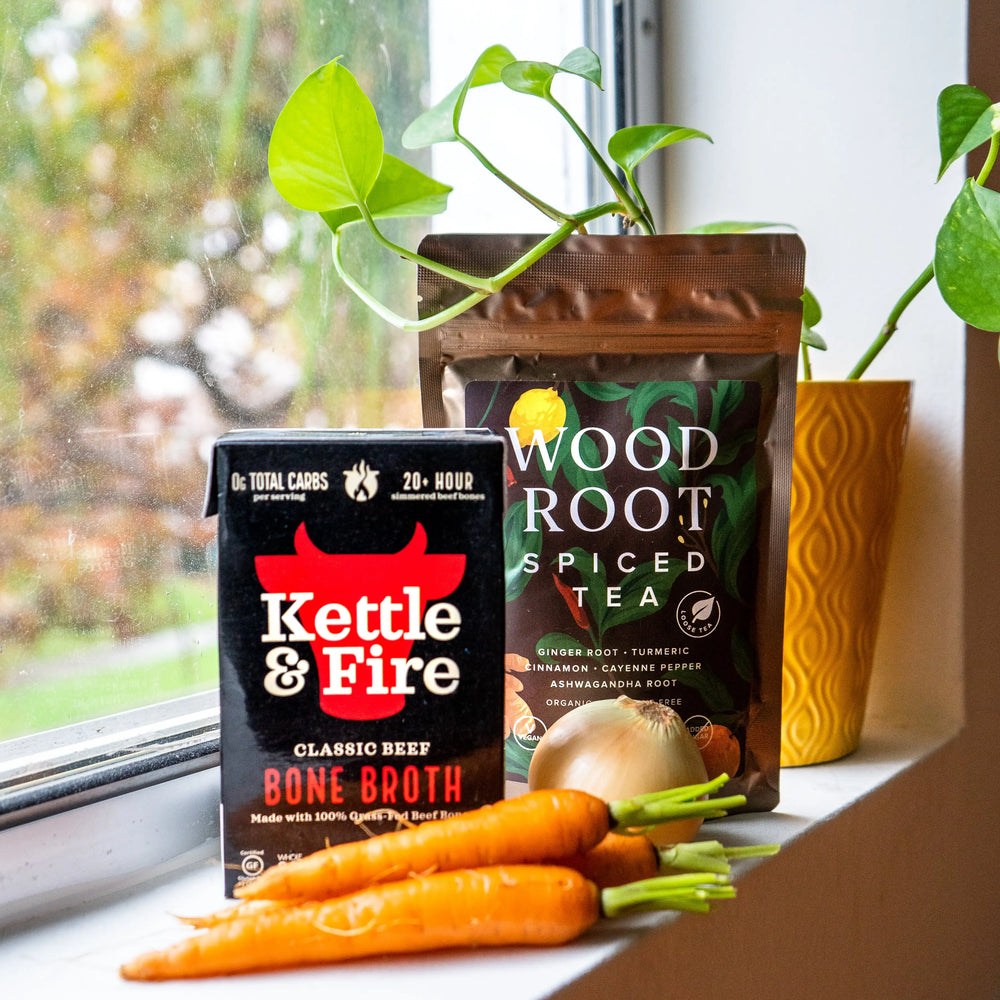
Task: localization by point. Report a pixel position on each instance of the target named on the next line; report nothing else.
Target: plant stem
(382, 310)
(889, 327)
(684, 802)
(543, 207)
(921, 282)
(711, 855)
(469, 280)
(482, 287)
(708, 856)
(640, 199)
(991, 159)
(664, 812)
(806, 364)
(683, 792)
(632, 210)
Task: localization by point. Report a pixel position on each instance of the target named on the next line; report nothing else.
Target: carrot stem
(683, 802)
(683, 791)
(753, 851)
(692, 892)
(710, 855)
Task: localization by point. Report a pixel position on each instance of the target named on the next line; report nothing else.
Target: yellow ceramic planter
(849, 442)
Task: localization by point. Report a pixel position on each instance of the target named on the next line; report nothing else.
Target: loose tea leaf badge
(702, 610)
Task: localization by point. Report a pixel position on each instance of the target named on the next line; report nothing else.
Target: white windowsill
(82, 949)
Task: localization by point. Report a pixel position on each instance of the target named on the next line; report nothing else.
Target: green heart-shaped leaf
(400, 190)
(628, 147)
(966, 119)
(326, 147)
(535, 78)
(967, 257)
(811, 315)
(440, 123)
(583, 62)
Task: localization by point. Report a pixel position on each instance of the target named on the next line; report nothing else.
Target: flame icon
(361, 482)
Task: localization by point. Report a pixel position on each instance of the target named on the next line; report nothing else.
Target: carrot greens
(710, 855)
(693, 892)
(674, 803)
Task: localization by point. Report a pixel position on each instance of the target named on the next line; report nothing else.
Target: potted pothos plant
(849, 443)
(327, 155)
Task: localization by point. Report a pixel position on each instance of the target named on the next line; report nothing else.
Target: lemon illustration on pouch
(537, 410)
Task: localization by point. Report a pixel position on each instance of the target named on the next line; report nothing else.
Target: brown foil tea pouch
(645, 388)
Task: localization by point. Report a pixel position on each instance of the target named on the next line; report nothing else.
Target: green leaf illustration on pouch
(643, 591)
(517, 544)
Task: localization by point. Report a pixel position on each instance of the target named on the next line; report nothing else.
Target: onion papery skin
(616, 748)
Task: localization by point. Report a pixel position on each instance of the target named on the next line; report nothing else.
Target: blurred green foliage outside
(154, 292)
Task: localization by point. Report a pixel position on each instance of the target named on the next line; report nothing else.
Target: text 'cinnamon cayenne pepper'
(645, 389)
(360, 634)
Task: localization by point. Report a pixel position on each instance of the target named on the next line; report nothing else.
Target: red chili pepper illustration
(572, 602)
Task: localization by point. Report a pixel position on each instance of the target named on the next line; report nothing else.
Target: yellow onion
(617, 748)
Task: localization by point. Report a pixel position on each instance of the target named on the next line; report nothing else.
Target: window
(157, 292)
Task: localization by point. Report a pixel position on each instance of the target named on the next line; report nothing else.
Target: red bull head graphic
(361, 615)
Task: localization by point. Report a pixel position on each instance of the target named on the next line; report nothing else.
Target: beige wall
(899, 895)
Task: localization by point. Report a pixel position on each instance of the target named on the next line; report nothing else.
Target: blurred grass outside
(64, 677)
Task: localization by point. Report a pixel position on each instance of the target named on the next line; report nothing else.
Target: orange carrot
(533, 827)
(621, 858)
(618, 859)
(493, 906)
(539, 826)
(244, 908)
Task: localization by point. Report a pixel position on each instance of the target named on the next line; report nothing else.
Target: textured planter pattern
(849, 443)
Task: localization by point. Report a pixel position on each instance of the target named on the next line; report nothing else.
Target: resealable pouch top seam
(635, 343)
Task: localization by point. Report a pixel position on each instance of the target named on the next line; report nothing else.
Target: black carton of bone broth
(360, 634)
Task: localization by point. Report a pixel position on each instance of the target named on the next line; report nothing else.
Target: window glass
(155, 291)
